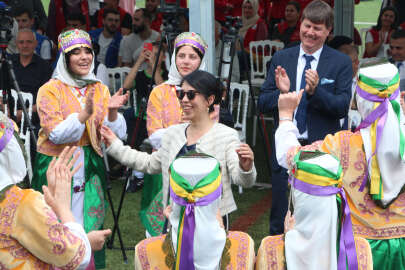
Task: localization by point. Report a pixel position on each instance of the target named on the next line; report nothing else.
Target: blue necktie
(301, 115)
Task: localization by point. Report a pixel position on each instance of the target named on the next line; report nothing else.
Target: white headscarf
(12, 163)
(392, 168)
(68, 41)
(174, 75)
(62, 73)
(247, 23)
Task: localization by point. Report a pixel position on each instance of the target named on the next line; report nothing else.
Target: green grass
(366, 11)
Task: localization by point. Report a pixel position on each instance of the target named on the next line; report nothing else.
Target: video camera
(6, 25)
(171, 12)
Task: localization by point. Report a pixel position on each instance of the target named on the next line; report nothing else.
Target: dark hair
(110, 11)
(22, 10)
(400, 33)
(338, 41)
(75, 16)
(394, 25)
(295, 4)
(195, 49)
(206, 84)
(145, 14)
(318, 12)
(67, 57)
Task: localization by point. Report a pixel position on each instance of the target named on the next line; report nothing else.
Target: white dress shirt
(300, 69)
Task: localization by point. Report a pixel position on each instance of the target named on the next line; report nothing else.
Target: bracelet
(285, 119)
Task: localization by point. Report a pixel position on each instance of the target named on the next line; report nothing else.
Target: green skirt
(388, 254)
(94, 206)
(151, 213)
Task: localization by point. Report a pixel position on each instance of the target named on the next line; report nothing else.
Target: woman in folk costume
(31, 236)
(197, 239)
(72, 106)
(164, 110)
(372, 160)
(320, 223)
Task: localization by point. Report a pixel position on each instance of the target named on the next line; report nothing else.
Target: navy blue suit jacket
(331, 99)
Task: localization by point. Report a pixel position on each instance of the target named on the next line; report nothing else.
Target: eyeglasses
(190, 94)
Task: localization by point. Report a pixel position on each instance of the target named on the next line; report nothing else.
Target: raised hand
(246, 157)
(59, 175)
(282, 80)
(118, 100)
(107, 135)
(287, 103)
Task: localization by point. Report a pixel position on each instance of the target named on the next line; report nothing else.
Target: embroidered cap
(191, 39)
(6, 130)
(73, 39)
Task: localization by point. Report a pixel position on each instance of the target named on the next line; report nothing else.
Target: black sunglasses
(190, 94)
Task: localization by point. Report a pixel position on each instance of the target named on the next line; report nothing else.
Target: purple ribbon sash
(347, 246)
(187, 245)
(8, 133)
(379, 112)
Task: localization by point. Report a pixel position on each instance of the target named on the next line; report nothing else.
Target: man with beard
(124, 25)
(108, 38)
(132, 44)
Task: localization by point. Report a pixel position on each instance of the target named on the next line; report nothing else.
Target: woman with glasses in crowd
(199, 92)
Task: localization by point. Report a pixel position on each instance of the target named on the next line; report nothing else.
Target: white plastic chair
(24, 132)
(363, 32)
(260, 53)
(238, 104)
(117, 76)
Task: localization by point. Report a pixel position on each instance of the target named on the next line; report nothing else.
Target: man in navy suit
(324, 76)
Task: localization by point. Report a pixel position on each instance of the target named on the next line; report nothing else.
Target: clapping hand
(282, 80)
(59, 175)
(246, 157)
(312, 80)
(118, 99)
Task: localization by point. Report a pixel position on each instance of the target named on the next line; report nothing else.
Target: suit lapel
(323, 62)
(292, 66)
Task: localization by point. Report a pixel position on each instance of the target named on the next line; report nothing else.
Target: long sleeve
(37, 229)
(79, 232)
(119, 126)
(67, 131)
(285, 138)
(137, 160)
(269, 93)
(154, 112)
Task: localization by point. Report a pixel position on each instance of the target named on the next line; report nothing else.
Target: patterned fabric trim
(384, 233)
(243, 251)
(364, 255)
